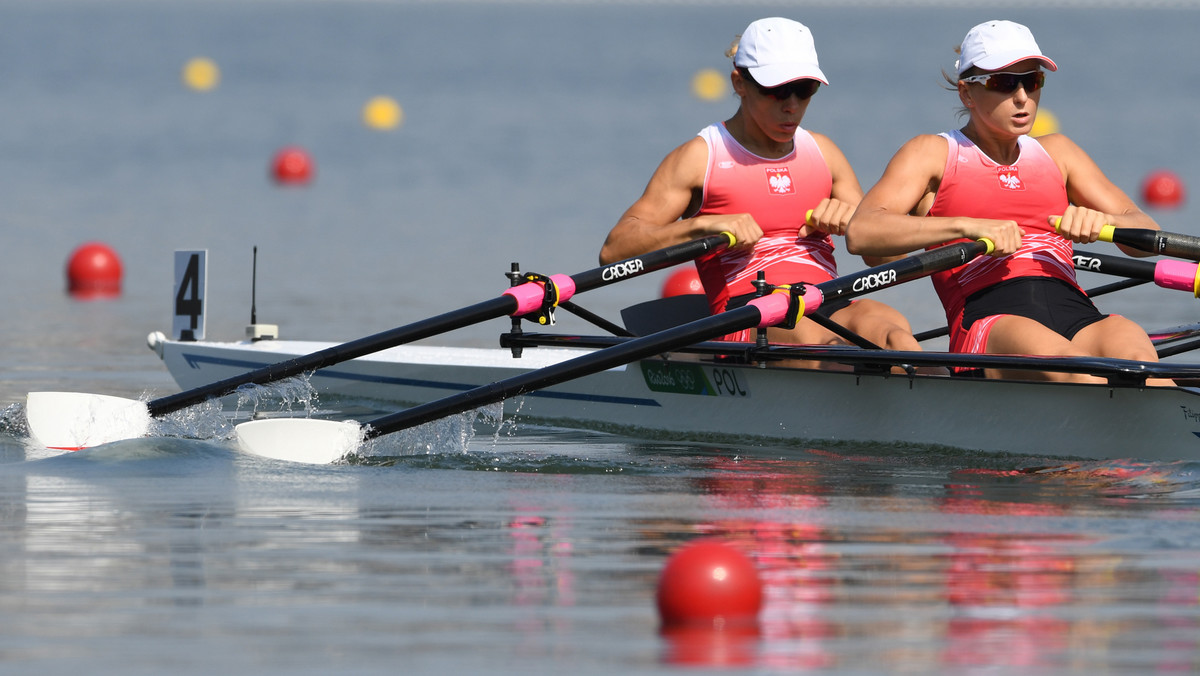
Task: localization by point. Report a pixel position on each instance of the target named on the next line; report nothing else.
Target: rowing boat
(749, 394)
(662, 375)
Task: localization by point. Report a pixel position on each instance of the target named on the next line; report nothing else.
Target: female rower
(991, 179)
(756, 175)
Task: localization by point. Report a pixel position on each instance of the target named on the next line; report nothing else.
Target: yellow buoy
(382, 112)
(1045, 123)
(201, 74)
(709, 84)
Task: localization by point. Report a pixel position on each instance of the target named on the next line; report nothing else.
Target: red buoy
(685, 280)
(1162, 189)
(292, 166)
(94, 271)
(711, 583)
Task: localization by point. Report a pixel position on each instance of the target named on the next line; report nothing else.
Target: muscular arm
(1095, 200)
(833, 215)
(885, 223)
(654, 220)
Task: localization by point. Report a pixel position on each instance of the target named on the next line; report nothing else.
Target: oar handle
(1151, 241)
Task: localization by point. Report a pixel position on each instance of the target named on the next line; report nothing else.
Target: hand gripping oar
(1151, 241)
(72, 420)
(320, 441)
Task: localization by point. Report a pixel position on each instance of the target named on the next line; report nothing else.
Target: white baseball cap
(778, 50)
(994, 45)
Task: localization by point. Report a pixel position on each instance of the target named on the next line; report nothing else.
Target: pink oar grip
(774, 306)
(530, 294)
(566, 287)
(1182, 275)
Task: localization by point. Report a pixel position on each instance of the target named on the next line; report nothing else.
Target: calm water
(528, 129)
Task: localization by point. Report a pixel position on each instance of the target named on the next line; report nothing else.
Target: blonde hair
(952, 85)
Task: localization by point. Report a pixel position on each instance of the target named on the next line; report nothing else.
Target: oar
(1169, 274)
(75, 420)
(1151, 241)
(315, 440)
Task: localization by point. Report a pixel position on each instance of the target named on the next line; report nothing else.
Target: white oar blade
(299, 439)
(77, 420)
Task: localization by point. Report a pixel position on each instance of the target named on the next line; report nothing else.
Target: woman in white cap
(757, 175)
(991, 179)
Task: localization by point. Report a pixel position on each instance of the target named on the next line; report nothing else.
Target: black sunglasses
(1006, 83)
(802, 88)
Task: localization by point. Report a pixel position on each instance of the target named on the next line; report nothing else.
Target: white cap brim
(781, 73)
(1002, 61)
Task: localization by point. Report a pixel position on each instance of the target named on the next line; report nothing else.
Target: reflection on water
(962, 581)
(521, 549)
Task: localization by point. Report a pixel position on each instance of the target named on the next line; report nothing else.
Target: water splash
(1131, 478)
(295, 397)
(12, 420)
(450, 435)
(286, 395)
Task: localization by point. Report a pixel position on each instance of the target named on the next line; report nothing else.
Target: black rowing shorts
(1052, 302)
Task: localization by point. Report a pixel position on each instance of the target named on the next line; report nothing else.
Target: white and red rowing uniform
(778, 193)
(1027, 191)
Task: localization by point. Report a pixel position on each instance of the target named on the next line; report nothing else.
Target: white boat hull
(688, 398)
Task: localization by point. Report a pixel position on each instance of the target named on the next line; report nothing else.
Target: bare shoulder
(1072, 160)
(933, 144)
(1058, 143)
(822, 140)
(829, 150)
(687, 163)
(926, 152)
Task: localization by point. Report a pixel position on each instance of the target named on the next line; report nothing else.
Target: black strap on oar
(503, 305)
(707, 328)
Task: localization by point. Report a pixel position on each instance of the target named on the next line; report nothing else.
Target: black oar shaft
(710, 327)
(489, 309)
(649, 262)
(903, 270)
(707, 328)
(1159, 242)
(1114, 265)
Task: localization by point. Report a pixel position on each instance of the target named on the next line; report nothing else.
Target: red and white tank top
(1026, 192)
(777, 193)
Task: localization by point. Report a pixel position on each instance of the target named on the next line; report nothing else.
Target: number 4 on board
(191, 279)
